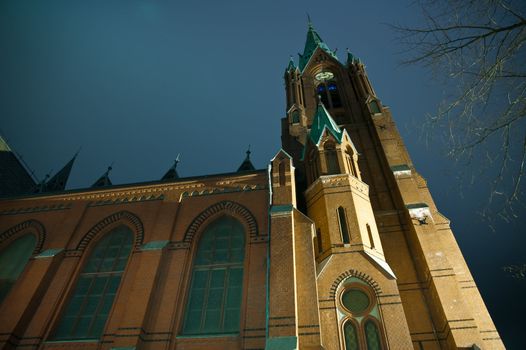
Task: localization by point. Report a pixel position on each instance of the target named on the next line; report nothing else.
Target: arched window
(331, 159)
(214, 300)
(350, 161)
(342, 219)
(360, 316)
(13, 260)
(329, 94)
(88, 308)
(351, 336)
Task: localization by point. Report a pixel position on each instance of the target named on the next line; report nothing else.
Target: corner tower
(389, 273)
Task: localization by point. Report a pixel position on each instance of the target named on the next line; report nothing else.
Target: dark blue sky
(134, 83)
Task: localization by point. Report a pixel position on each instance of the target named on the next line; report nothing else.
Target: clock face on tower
(324, 76)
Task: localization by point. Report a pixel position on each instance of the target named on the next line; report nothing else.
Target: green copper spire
(311, 44)
(323, 120)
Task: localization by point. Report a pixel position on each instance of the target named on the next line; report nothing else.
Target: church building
(337, 244)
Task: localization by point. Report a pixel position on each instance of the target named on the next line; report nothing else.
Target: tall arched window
(331, 158)
(13, 260)
(344, 229)
(88, 308)
(360, 316)
(214, 300)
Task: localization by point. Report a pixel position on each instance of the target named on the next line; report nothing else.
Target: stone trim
(227, 207)
(353, 273)
(32, 225)
(125, 216)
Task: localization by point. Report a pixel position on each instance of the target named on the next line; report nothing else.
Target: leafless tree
(478, 46)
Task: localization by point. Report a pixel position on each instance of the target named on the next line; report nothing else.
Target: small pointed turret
(172, 174)
(247, 164)
(311, 44)
(351, 58)
(104, 180)
(323, 120)
(41, 186)
(59, 180)
(291, 65)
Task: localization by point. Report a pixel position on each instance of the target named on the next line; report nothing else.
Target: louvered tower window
(13, 260)
(89, 306)
(329, 94)
(214, 299)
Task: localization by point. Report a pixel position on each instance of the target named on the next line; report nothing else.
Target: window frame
(74, 280)
(189, 270)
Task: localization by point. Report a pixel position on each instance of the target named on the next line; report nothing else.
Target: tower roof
(247, 164)
(323, 120)
(59, 180)
(104, 180)
(311, 44)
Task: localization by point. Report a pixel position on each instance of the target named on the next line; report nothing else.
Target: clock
(324, 76)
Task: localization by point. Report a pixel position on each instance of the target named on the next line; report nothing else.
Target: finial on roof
(172, 174)
(309, 22)
(248, 152)
(247, 164)
(104, 180)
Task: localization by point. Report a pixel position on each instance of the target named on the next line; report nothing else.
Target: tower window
(331, 159)
(319, 240)
(370, 234)
(343, 225)
(88, 309)
(13, 260)
(329, 94)
(281, 171)
(295, 117)
(375, 108)
(214, 300)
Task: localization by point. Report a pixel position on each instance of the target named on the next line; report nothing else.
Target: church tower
(388, 271)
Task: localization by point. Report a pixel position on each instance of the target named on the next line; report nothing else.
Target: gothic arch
(34, 226)
(124, 216)
(228, 207)
(353, 273)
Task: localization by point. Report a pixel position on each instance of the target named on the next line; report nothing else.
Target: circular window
(355, 300)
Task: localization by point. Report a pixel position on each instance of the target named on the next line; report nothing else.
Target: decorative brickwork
(131, 219)
(33, 226)
(228, 207)
(353, 273)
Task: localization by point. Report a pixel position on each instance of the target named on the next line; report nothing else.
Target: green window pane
(372, 336)
(13, 260)
(88, 308)
(214, 300)
(355, 300)
(351, 337)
